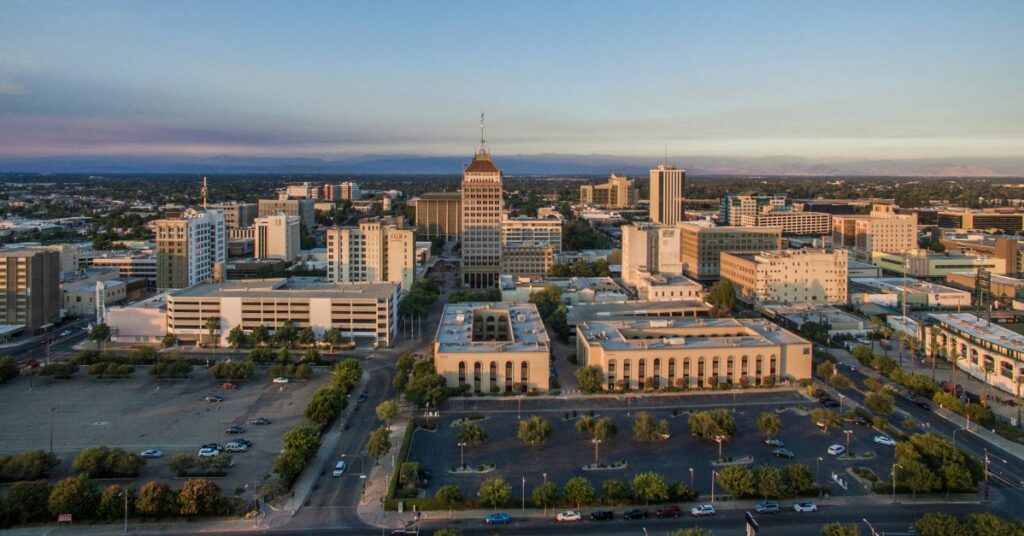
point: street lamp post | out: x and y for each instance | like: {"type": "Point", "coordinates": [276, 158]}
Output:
{"type": "Point", "coordinates": [125, 493]}
{"type": "Point", "coordinates": [868, 523]}
{"type": "Point", "coordinates": [894, 466]}
{"type": "Point", "coordinates": [523, 510]}
{"type": "Point", "coordinates": [713, 475]}
{"type": "Point", "coordinates": [719, 439]}
{"type": "Point", "coordinates": [848, 433]}
{"type": "Point", "coordinates": [986, 473]}
{"type": "Point", "coordinates": [691, 478]}
{"type": "Point", "coordinates": [52, 409]}
{"type": "Point", "coordinates": [462, 455]}
{"type": "Point", "coordinates": [841, 397]}
{"type": "Point", "coordinates": [597, 445]}
{"type": "Point", "coordinates": [817, 469]}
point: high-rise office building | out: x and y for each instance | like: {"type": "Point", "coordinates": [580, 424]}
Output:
{"type": "Point", "coordinates": [543, 230]}
{"type": "Point", "coordinates": [618, 192]}
{"type": "Point", "coordinates": [733, 207]}
{"type": "Point", "coordinates": [29, 288]}
{"type": "Point", "coordinates": [303, 208]}
{"type": "Point", "coordinates": [788, 276]}
{"type": "Point", "coordinates": [667, 195]}
{"type": "Point", "coordinates": [237, 215]}
{"type": "Point", "coordinates": [883, 231]}
{"type": "Point", "coordinates": [302, 191]}
{"type": "Point", "coordinates": [482, 206]}
{"type": "Point", "coordinates": [349, 191]}
{"type": "Point", "coordinates": [188, 248]}
{"type": "Point", "coordinates": [701, 247]}
{"type": "Point", "coordinates": [379, 250]}
{"type": "Point", "coordinates": [439, 214]}
{"type": "Point", "coordinates": [277, 237]}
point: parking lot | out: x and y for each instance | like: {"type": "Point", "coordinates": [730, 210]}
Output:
{"type": "Point", "coordinates": [140, 413]}
{"type": "Point", "coordinates": [568, 451]}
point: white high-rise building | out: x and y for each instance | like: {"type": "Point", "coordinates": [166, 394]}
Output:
{"type": "Point", "coordinates": [379, 250]}
{"type": "Point", "coordinates": [188, 248]}
{"type": "Point", "coordinates": [277, 237]}
{"type": "Point", "coordinates": [788, 276]}
{"type": "Point", "coordinates": [667, 195]}
{"type": "Point", "coordinates": [884, 231]}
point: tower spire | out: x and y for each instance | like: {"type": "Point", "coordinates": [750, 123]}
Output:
{"type": "Point", "coordinates": [483, 143]}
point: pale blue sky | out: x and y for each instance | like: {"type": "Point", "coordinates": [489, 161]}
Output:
{"type": "Point", "coordinates": [856, 79]}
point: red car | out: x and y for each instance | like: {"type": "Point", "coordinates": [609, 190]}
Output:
{"type": "Point", "coordinates": [229, 385]}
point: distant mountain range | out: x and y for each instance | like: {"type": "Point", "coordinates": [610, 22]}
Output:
{"type": "Point", "coordinates": [543, 164]}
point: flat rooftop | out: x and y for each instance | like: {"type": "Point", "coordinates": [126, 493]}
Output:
{"type": "Point", "coordinates": [298, 287]}
{"type": "Point", "coordinates": [455, 331]}
{"type": "Point", "coordinates": [686, 333]}
{"type": "Point", "coordinates": [982, 329]}
{"type": "Point", "coordinates": [567, 284]}
{"type": "Point", "coordinates": [669, 280]}
{"type": "Point", "coordinates": [634, 309]}
{"type": "Point", "coordinates": [896, 284]}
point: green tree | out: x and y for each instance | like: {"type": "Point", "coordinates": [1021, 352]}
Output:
{"type": "Point", "coordinates": [156, 499]}
{"type": "Point", "coordinates": [402, 371]}
{"type": "Point", "coordinates": [494, 492]}
{"type": "Point", "coordinates": [167, 340]}
{"type": "Point", "coordinates": [305, 440]}
{"type": "Point", "coordinates": [917, 477]}
{"type": "Point", "coordinates": [306, 337]}
{"type": "Point", "coordinates": [826, 370]}
{"type": "Point", "coordinates": [769, 424]}
{"type": "Point", "coordinates": [578, 491]}
{"type": "Point", "coordinates": [448, 496]}
{"type": "Point", "coordinates": [472, 434]}
{"type": "Point", "coordinates": [939, 524]}
{"type": "Point", "coordinates": [112, 502]}
{"type": "Point", "coordinates": [75, 496]}
{"type": "Point", "coordinates": [647, 429]}
{"type": "Point", "coordinates": [303, 371]}
{"type": "Point", "coordinates": [260, 335]}
{"type": "Point", "coordinates": [722, 297]}
{"type": "Point", "coordinates": [387, 411]}
{"type": "Point", "coordinates": [100, 333]}
{"type": "Point", "coordinates": [346, 375]}
{"type": "Point", "coordinates": [212, 324]}
{"type": "Point", "coordinates": [769, 481]}
{"type": "Point", "coordinates": [8, 369]}
{"type": "Point", "coordinates": [332, 338]}
{"type": "Point", "coordinates": [289, 464]}
{"type": "Point", "coordinates": [650, 487]}
{"type": "Point", "coordinates": [535, 430]}
{"type": "Point", "coordinates": [379, 443]}
{"type": "Point", "coordinates": [880, 403]}
{"type": "Point", "coordinates": [26, 502]}
{"type": "Point", "coordinates": [285, 334]}
{"type": "Point", "coordinates": [711, 424]}
{"type": "Point", "coordinates": [199, 497]}
{"type": "Point", "coordinates": [840, 529]}
{"type": "Point", "coordinates": [237, 338]}
{"type": "Point", "coordinates": [987, 524]}
{"type": "Point", "coordinates": [324, 407]}
{"type": "Point", "coordinates": [824, 418]}
{"type": "Point", "coordinates": [614, 492]}
{"type": "Point", "coordinates": [544, 495]}
{"type": "Point", "coordinates": [737, 480]}
{"type": "Point", "coordinates": [797, 479]}
{"type": "Point", "coordinates": [590, 379]}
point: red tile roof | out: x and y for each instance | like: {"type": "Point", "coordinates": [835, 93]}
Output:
{"type": "Point", "coordinates": [482, 164]}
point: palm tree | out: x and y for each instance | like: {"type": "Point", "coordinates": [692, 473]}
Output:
{"type": "Point", "coordinates": [212, 324]}
{"type": "Point", "coordinates": [954, 358]}
{"type": "Point", "coordinates": [886, 335]}
{"type": "Point", "coordinates": [876, 325]}
{"type": "Point", "coordinates": [933, 347]}
{"type": "Point", "coordinates": [913, 344]}
{"type": "Point", "coordinates": [989, 368]}
{"type": "Point", "coordinates": [1020, 380]}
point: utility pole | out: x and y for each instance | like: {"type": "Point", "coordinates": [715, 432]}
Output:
{"type": "Point", "coordinates": [986, 474]}
{"type": "Point", "coordinates": [125, 493]}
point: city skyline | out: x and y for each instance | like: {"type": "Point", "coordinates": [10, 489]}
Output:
{"type": "Point", "coordinates": [746, 80]}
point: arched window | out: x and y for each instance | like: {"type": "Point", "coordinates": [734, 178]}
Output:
{"type": "Point", "coordinates": [509, 374]}
{"type": "Point", "coordinates": [714, 372]}
{"type": "Point", "coordinates": [626, 371]}
{"type": "Point", "coordinates": [641, 377]}
{"type": "Point", "coordinates": [686, 371]}
{"type": "Point", "coordinates": [476, 377]}
{"type": "Point", "coordinates": [494, 377]}
{"type": "Point", "coordinates": [729, 368]}
{"type": "Point", "coordinates": [700, 372]}
{"type": "Point", "coordinates": [462, 374]}
{"type": "Point", "coordinates": [672, 371]}
{"type": "Point", "coordinates": [744, 372]}
{"type": "Point", "coordinates": [611, 374]}
{"type": "Point", "coordinates": [773, 366]}
{"type": "Point", "coordinates": [524, 374]}
{"type": "Point", "coordinates": [657, 373]}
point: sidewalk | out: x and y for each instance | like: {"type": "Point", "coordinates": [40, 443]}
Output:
{"type": "Point", "coordinates": [371, 504]}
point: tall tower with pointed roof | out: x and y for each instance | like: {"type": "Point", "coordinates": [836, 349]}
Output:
{"type": "Point", "coordinates": [482, 205]}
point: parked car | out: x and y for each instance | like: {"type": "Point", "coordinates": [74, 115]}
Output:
{"type": "Point", "coordinates": [234, 429]}
{"type": "Point", "coordinates": [767, 508]}
{"type": "Point", "coordinates": [241, 441]}
{"type": "Point", "coordinates": [500, 518]}
{"type": "Point", "coordinates": [281, 379]}
{"type": "Point", "coordinates": [783, 453]}
{"type": "Point", "coordinates": [772, 442]}
{"type": "Point", "coordinates": [229, 385]}
{"type": "Point", "coordinates": [923, 404]}
{"type": "Point", "coordinates": [829, 403]}
{"type": "Point", "coordinates": [636, 513]}
{"type": "Point", "coordinates": [65, 333]}
{"type": "Point", "coordinates": [567, 516]}
{"type": "Point", "coordinates": [215, 446]}
{"type": "Point", "coordinates": [152, 453]}
{"type": "Point", "coordinates": [602, 515]}
{"type": "Point", "coordinates": [805, 507]}
{"type": "Point", "coordinates": [362, 398]}
{"type": "Point", "coordinates": [259, 421]}
{"type": "Point", "coordinates": [214, 398]}
{"type": "Point", "coordinates": [836, 450]}
{"type": "Point", "coordinates": [702, 510]}
{"type": "Point", "coordinates": [885, 440]}
{"type": "Point", "coordinates": [668, 511]}
{"type": "Point", "coordinates": [207, 452]}
{"type": "Point", "coordinates": [858, 421]}
{"type": "Point", "coordinates": [233, 446]}
{"type": "Point", "coordinates": [339, 468]}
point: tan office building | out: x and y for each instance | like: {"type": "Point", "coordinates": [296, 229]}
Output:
{"type": "Point", "coordinates": [379, 250]}
{"type": "Point", "coordinates": [788, 276]}
{"type": "Point", "coordinates": [189, 248]}
{"type": "Point", "coordinates": [482, 209]}
{"type": "Point", "coordinates": [30, 294]}
{"type": "Point", "coordinates": [667, 195]}
{"type": "Point", "coordinates": [884, 231]}
{"type": "Point", "coordinates": [277, 237]}
{"type": "Point", "coordinates": [792, 223]}
{"type": "Point", "coordinates": [527, 259]}
{"type": "Point", "coordinates": [546, 230]}
{"type": "Point", "coordinates": [692, 353]}
{"type": "Point", "coordinates": [439, 214]}
{"type": "Point", "coordinates": [237, 215]}
{"type": "Point", "coordinates": [303, 208]}
{"type": "Point", "coordinates": [702, 246]}
{"type": "Point", "coordinates": [650, 249]}
{"type": "Point", "coordinates": [618, 192]}
{"type": "Point", "coordinates": [361, 310]}
{"type": "Point", "coordinates": [493, 348]}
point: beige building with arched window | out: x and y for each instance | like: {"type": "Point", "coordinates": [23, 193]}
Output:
{"type": "Point", "coordinates": [493, 348]}
{"type": "Point", "coordinates": [692, 353]}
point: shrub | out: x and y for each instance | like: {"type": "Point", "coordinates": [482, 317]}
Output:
{"type": "Point", "coordinates": [232, 370]}
{"type": "Point", "coordinates": [75, 496]}
{"type": "Point", "coordinates": [106, 462]}
{"type": "Point", "coordinates": [27, 502]}
{"type": "Point", "coordinates": [156, 499]}
{"type": "Point", "coordinates": [32, 465]}
{"type": "Point", "coordinates": [199, 497]}
{"type": "Point", "coordinates": [8, 369]}
{"type": "Point", "coordinates": [61, 371]}
{"type": "Point", "coordinates": [324, 407]}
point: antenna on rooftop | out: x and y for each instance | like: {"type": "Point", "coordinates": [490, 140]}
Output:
{"type": "Point", "coordinates": [483, 143]}
{"type": "Point", "coordinates": [205, 191]}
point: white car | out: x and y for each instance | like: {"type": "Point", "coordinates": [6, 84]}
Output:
{"type": "Point", "coordinates": [836, 450]}
{"type": "Point", "coordinates": [805, 507]}
{"type": "Point", "coordinates": [885, 440]}
{"type": "Point", "coordinates": [339, 468]}
{"type": "Point", "coordinates": [570, 515]}
{"type": "Point", "coordinates": [152, 453]}
{"type": "Point", "coordinates": [208, 452]}
{"type": "Point", "coordinates": [281, 379]}
{"type": "Point", "coordinates": [702, 510]}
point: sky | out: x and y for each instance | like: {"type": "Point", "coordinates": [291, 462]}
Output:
{"type": "Point", "coordinates": [836, 79]}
